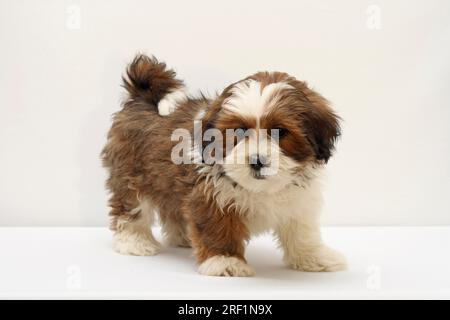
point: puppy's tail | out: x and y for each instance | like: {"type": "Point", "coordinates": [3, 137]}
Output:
{"type": "Point", "coordinates": [149, 80]}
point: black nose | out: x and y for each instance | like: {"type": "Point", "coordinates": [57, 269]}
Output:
{"type": "Point", "coordinates": [257, 162]}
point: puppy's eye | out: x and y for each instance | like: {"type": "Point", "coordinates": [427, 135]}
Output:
{"type": "Point", "coordinates": [282, 132]}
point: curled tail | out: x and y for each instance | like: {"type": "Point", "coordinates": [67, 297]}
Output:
{"type": "Point", "coordinates": [148, 79]}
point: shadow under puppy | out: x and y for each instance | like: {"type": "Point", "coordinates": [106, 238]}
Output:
{"type": "Point", "coordinates": [215, 206]}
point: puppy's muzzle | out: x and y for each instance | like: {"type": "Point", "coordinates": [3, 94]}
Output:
{"type": "Point", "coordinates": [257, 162]}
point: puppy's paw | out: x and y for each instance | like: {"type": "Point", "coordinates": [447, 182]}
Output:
{"type": "Point", "coordinates": [136, 244]}
{"type": "Point", "coordinates": [319, 259]}
{"type": "Point", "coordinates": [225, 267]}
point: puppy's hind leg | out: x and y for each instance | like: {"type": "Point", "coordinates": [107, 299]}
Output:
{"type": "Point", "coordinates": [133, 234]}
{"type": "Point", "coordinates": [174, 233]}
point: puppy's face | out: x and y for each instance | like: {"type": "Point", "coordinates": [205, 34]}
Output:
{"type": "Point", "coordinates": [275, 129]}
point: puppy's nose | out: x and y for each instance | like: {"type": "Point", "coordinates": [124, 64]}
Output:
{"type": "Point", "coordinates": [257, 162]}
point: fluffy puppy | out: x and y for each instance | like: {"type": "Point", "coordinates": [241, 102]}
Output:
{"type": "Point", "coordinates": [216, 204]}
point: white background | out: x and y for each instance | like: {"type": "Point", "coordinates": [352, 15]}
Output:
{"type": "Point", "coordinates": [60, 82]}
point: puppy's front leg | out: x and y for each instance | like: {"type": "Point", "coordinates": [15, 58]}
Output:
{"type": "Point", "coordinates": [218, 238]}
{"type": "Point", "coordinates": [303, 248]}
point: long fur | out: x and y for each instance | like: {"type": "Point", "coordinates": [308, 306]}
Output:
{"type": "Point", "coordinates": [148, 79]}
{"type": "Point", "coordinates": [216, 207]}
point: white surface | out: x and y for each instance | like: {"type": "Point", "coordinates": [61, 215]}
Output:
{"type": "Point", "coordinates": [389, 262]}
{"type": "Point", "coordinates": [60, 81]}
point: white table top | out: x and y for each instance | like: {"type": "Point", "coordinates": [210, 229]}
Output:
{"type": "Point", "coordinates": [384, 263]}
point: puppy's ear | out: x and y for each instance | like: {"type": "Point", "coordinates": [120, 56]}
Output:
{"type": "Point", "coordinates": [209, 121]}
{"type": "Point", "coordinates": [212, 112]}
{"type": "Point", "coordinates": [320, 122]}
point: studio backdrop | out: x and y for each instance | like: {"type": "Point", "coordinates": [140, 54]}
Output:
{"type": "Point", "coordinates": [384, 65]}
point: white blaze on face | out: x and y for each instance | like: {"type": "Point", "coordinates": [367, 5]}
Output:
{"type": "Point", "coordinates": [247, 99]}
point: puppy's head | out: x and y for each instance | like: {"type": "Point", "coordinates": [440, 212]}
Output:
{"type": "Point", "coordinates": [275, 128]}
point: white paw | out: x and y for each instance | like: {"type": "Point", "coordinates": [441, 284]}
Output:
{"type": "Point", "coordinates": [225, 266]}
{"type": "Point", "coordinates": [319, 259]}
{"type": "Point", "coordinates": [136, 244]}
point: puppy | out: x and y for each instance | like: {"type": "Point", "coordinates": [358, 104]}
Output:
{"type": "Point", "coordinates": [213, 203]}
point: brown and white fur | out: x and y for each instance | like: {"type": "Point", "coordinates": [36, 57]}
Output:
{"type": "Point", "coordinates": [216, 208]}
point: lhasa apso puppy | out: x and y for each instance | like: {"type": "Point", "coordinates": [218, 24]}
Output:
{"type": "Point", "coordinates": [220, 170]}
